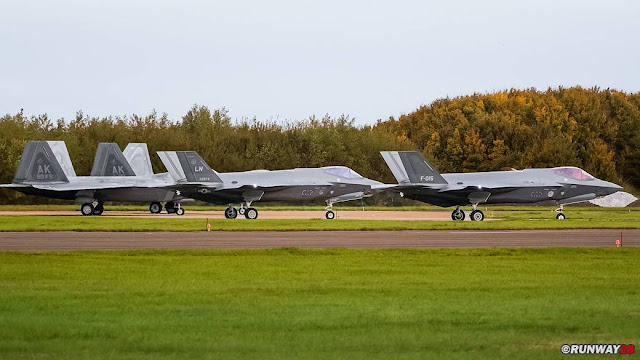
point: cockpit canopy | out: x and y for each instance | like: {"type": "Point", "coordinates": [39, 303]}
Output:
{"type": "Point", "coordinates": [342, 171]}
{"type": "Point", "coordinates": [573, 173]}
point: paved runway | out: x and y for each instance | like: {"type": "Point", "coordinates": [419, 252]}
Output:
{"type": "Point", "coordinates": [63, 240]}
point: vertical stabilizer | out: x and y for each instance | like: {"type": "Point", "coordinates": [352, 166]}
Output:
{"type": "Point", "coordinates": [42, 161]}
{"type": "Point", "coordinates": [137, 155]}
{"type": "Point", "coordinates": [410, 167]}
{"type": "Point", "coordinates": [188, 166]}
{"type": "Point", "coordinates": [110, 161]}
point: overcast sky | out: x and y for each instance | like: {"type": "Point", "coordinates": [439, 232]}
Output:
{"type": "Point", "coordinates": [286, 60]}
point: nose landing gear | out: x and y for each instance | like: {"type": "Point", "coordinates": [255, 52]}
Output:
{"type": "Point", "coordinates": [330, 215]}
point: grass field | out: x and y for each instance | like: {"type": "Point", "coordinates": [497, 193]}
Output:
{"type": "Point", "coordinates": [512, 218]}
{"type": "Point", "coordinates": [305, 304]}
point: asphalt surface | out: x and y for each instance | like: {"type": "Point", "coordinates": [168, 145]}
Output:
{"type": "Point", "coordinates": [63, 240]}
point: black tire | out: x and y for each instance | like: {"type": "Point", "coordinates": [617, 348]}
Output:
{"type": "Point", "coordinates": [330, 215]}
{"type": "Point", "coordinates": [476, 215]}
{"type": "Point", "coordinates": [98, 210]}
{"type": "Point", "coordinates": [560, 216]}
{"type": "Point", "coordinates": [155, 208]}
{"type": "Point", "coordinates": [230, 213]}
{"type": "Point", "coordinates": [251, 213]}
{"type": "Point", "coordinates": [179, 211]}
{"type": "Point", "coordinates": [87, 209]}
{"type": "Point", "coordinates": [170, 207]}
{"type": "Point", "coordinates": [242, 210]}
{"type": "Point", "coordinates": [457, 215]}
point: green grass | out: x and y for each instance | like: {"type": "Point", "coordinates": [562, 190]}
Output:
{"type": "Point", "coordinates": [522, 218]}
{"type": "Point", "coordinates": [306, 304]}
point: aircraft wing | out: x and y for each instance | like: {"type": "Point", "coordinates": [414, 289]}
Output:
{"type": "Point", "coordinates": [95, 186]}
{"type": "Point", "coordinates": [14, 186]}
{"type": "Point", "coordinates": [473, 188]}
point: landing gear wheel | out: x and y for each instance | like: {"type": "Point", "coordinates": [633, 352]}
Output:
{"type": "Point", "coordinates": [477, 215]}
{"type": "Point", "coordinates": [155, 208]}
{"type": "Point", "coordinates": [251, 213]}
{"type": "Point", "coordinates": [87, 209]}
{"type": "Point", "coordinates": [230, 213]}
{"type": "Point", "coordinates": [457, 215]}
{"type": "Point", "coordinates": [179, 211]}
{"type": "Point", "coordinates": [241, 211]}
{"type": "Point", "coordinates": [560, 216]}
{"type": "Point", "coordinates": [98, 210]}
{"type": "Point", "coordinates": [330, 215]}
{"type": "Point", "coordinates": [170, 207]}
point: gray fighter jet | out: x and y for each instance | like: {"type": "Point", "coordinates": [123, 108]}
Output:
{"type": "Point", "coordinates": [137, 155]}
{"type": "Point", "coordinates": [196, 180]}
{"type": "Point", "coordinates": [418, 180]}
{"type": "Point", "coordinates": [46, 170]}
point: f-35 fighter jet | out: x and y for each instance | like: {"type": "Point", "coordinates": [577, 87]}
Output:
{"type": "Point", "coordinates": [418, 180]}
{"type": "Point", "coordinates": [46, 170]}
{"type": "Point", "coordinates": [196, 180]}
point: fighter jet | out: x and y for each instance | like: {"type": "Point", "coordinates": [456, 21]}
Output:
{"type": "Point", "coordinates": [46, 170]}
{"type": "Point", "coordinates": [137, 155]}
{"type": "Point", "coordinates": [196, 180]}
{"type": "Point", "coordinates": [418, 180]}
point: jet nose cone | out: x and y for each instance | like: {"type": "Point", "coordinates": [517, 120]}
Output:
{"type": "Point", "coordinates": [610, 188]}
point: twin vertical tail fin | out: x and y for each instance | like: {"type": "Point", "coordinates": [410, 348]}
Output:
{"type": "Point", "coordinates": [110, 161]}
{"type": "Point", "coordinates": [188, 166]}
{"type": "Point", "coordinates": [410, 167]}
{"type": "Point", "coordinates": [137, 155]}
{"type": "Point", "coordinates": [44, 162]}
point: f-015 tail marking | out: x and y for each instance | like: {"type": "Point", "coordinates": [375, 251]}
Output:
{"type": "Point", "coordinates": [411, 167]}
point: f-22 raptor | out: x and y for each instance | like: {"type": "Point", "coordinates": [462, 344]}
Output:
{"type": "Point", "coordinates": [196, 180]}
{"type": "Point", "coordinates": [46, 170]}
{"type": "Point", "coordinates": [418, 180]}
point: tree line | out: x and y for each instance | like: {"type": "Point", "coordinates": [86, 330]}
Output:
{"type": "Point", "coordinates": [598, 130]}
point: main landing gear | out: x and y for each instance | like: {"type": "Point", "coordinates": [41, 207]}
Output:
{"type": "Point", "coordinates": [248, 212]}
{"type": "Point", "coordinates": [93, 208]}
{"type": "Point", "coordinates": [457, 214]}
{"type": "Point", "coordinates": [172, 208]}
{"type": "Point", "coordinates": [476, 215]}
{"type": "Point", "coordinates": [560, 215]}
{"type": "Point", "coordinates": [155, 208]}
